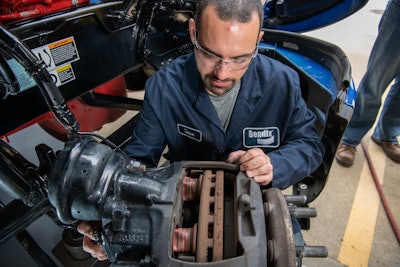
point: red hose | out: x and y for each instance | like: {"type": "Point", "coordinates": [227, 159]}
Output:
{"type": "Point", "coordinates": [382, 196]}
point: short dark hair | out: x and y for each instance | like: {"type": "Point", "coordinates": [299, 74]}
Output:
{"type": "Point", "coordinates": [236, 10]}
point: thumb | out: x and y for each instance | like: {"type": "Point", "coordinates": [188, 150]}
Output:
{"type": "Point", "coordinates": [235, 156]}
{"type": "Point", "coordinates": [85, 229]}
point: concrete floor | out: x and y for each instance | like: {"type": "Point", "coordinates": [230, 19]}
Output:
{"type": "Point", "coordinates": [351, 220]}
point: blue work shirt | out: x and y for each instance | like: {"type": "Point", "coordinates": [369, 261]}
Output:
{"type": "Point", "coordinates": [269, 113]}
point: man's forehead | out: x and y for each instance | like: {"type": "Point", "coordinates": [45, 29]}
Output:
{"type": "Point", "coordinates": [210, 13]}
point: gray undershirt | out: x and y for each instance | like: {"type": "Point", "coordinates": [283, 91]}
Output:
{"type": "Point", "coordinates": [224, 104]}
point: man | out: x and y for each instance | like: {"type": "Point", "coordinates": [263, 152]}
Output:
{"type": "Point", "coordinates": [383, 67]}
{"type": "Point", "coordinates": [226, 102]}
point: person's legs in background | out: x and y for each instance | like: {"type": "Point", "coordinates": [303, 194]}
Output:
{"type": "Point", "coordinates": [383, 67]}
{"type": "Point", "coordinates": [388, 126]}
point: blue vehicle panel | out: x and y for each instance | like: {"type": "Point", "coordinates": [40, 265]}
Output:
{"type": "Point", "coordinates": [300, 16]}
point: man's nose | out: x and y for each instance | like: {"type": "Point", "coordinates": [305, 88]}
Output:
{"type": "Point", "coordinates": [222, 70]}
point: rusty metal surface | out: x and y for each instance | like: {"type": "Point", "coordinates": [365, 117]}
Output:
{"type": "Point", "coordinates": [218, 231]}
{"type": "Point", "coordinates": [191, 188]}
{"type": "Point", "coordinates": [211, 215]}
{"type": "Point", "coordinates": [184, 240]}
{"type": "Point", "coordinates": [281, 247]}
{"type": "Point", "coordinates": [204, 218]}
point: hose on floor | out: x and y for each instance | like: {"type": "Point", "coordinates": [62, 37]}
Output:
{"type": "Point", "coordinates": [382, 196]}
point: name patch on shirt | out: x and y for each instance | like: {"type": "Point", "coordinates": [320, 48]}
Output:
{"type": "Point", "coordinates": [261, 137]}
{"type": "Point", "coordinates": [189, 132]}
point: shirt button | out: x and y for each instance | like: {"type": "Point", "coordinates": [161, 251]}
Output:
{"type": "Point", "coordinates": [221, 151]}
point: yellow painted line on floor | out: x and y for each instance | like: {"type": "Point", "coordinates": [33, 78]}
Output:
{"type": "Point", "coordinates": [358, 237]}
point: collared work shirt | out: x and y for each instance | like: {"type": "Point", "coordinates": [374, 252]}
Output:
{"type": "Point", "coordinates": [269, 113]}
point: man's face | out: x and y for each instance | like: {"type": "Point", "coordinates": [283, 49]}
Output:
{"type": "Point", "coordinates": [233, 42]}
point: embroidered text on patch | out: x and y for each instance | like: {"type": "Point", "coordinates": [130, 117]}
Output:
{"type": "Point", "coordinates": [261, 137]}
{"type": "Point", "coordinates": [190, 132]}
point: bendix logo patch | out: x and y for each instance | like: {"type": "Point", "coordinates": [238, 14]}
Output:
{"type": "Point", "coordinates": [261, 137]}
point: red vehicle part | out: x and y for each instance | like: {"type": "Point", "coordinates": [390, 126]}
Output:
{"type": "Point", "coordinates": [89, 118]}
{"type": "Point", "coordinates": [11, 10]}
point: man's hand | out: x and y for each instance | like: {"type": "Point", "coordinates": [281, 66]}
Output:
{"type": "Point", "coordinates": [255, 163]}
{"type": "Point", "coordinates": [89, 243]}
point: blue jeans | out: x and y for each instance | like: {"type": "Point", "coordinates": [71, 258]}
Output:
{"type": "Point", "coordinates": [383, 67]}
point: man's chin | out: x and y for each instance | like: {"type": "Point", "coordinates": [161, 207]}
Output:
{"type": "Point", "coordinates": [219, 88]}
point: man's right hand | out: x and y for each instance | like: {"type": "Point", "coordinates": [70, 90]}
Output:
{"type": "Point", "coordinates": [89, 243]}
{"type": "Point", "coordinates": [255, 163]}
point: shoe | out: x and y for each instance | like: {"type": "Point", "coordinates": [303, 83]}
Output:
{"type": "Point", "coordinates": [392, 150]}
{"type": "Point", "coordinates": [345, 155]}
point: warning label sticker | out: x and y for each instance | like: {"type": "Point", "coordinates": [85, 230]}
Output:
{"type": "Point", "coordinates": [58, 57]}
{"type": "Point", "coordinates": [66, 73]}
{"type": "Point", "coordinates": [64, 51]}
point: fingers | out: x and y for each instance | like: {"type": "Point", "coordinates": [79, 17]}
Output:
{"type": "Point", "coordinates": [255, 163]}
{"type": "Point", "coordinates": [94, 249]}
{"type": "Point", "coordinates": [263, 179]}
{"type": "Point", "coordinates": [85, 229]}
{"type": "Point", "coordinates": [235, 156]}
{"type": "Point", "coordinates": [258, 165]}
{"type": "Point", "coordinates": [252, 154]}
{"type": "Point", "coordinates": [90, 245]}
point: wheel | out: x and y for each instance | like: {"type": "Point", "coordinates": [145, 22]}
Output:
{"type": "Point", "coordinates": [281, 251]}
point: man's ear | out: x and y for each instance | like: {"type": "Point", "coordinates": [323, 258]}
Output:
{"type": "Point", "coordinates": [192, 29]}
{"type": "Point", "coordinates": [260, 36]}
